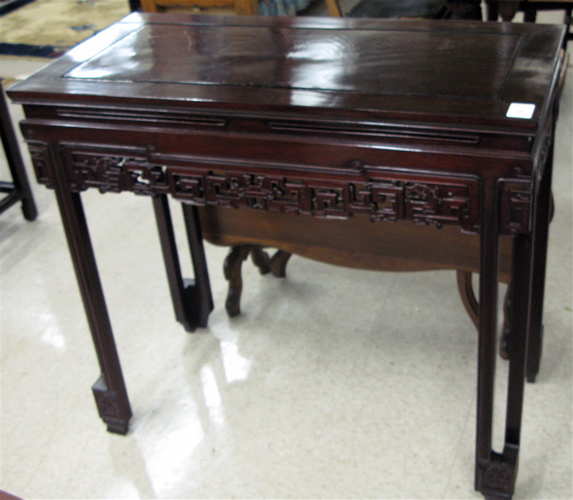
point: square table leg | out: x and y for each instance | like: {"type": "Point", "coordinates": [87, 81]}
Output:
{"type": "Point", "coordinates": [485, 470]}
{"type": "Point", "coordinates": [109, 390]}
{"type": "Point", "coordinates": [496, 472]}
{"type": "Point", "coordinates": [192, 299]}
{"type": "Point", "coordinates": [542, 218]}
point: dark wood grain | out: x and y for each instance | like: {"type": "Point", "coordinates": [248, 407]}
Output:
{"type": "Point", "coordinates": [365, 67]}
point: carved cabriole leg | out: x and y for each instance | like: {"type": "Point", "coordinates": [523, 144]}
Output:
{"type": "Point", "coordinates": [261, 259]}
{"type": "Point", "coordinates": [191, 298]}
{"type": "Point", "coordinates": [109, 390]}
{"type": "Point", "coordinates": [232, 268]}
{"type": "Point", "coordinates": [279, 262]}
{"type": "Point", "coordinates": [275, 264]}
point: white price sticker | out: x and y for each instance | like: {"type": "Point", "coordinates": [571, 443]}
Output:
{"type": "Point", "coordinates": [520, 110]}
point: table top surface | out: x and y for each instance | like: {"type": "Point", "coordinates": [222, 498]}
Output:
{"type": "Point", "coordinates": [445, 71]}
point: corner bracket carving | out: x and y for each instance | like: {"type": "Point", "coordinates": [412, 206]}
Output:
{"type": "Point", "coordinates": [516, 206]}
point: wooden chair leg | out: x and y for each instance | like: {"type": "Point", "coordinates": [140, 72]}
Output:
{"type": "Point", "coordinates": [261, 259]}
{"type": "Point", "coordinates": [279, 262]}
{"type": "Point", "coordinates": [232, 269]}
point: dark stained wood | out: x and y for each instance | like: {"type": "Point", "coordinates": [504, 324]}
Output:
{"type": "Point", "coordinates": [356, 242]}
{"type": "Point", "coordinates": [261, 259]}
{"type": "Point", "coordinates": [232, 267]}
{"type": "Point", "coordinates": [366, 68]}
{"type": "Point", "coordinates": [191, 298]}
{"type": "Point", "coordinates": [18, 189]}
{"type": "Point", "coordinates": [369, 143]}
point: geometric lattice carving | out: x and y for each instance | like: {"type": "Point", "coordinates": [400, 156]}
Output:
{"type": "Point", "coordinates": [428, 200]}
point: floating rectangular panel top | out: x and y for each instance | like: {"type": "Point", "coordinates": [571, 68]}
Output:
{"type": "Point", "coordinates": [439, 69]}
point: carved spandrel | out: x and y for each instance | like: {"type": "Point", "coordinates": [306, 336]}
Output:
{"type": "Point", "coordinates": [41, 163]}
{"type": "Point", "coordinates": [516, 206]}
{"type": "Point", "coordinates": [422, 199]}
{"type": "Point", "coordinates": [115, 174]}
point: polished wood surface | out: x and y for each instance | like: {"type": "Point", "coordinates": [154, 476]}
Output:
{"type": "Point", "coordinates": [353, 243]}
{"type": "Point", "coordinates": [366, 70]}
{"type": "Point", "coordinates": [362, 142]}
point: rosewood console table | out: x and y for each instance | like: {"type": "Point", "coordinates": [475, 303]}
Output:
{"type": "Point", "coordinates": [327, 137]}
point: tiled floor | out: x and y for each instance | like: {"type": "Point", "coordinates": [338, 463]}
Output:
{"type": "Point", "coordinates": [334, 383]}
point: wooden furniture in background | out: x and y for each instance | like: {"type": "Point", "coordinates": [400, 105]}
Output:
{"type": "Point", "coordinates": [19, 189]}
{"type": "Point", "coordinates": [241, 7]}
{"type": "Point", "coordinates": [506, 9]}
{"type": "Point", "coordinates": [415, 133]}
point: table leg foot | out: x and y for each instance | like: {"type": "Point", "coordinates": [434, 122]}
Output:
{"type": "Point", "coordinates": [111, 407]}
{"type": "Point", "coordinates": [496, 476]}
